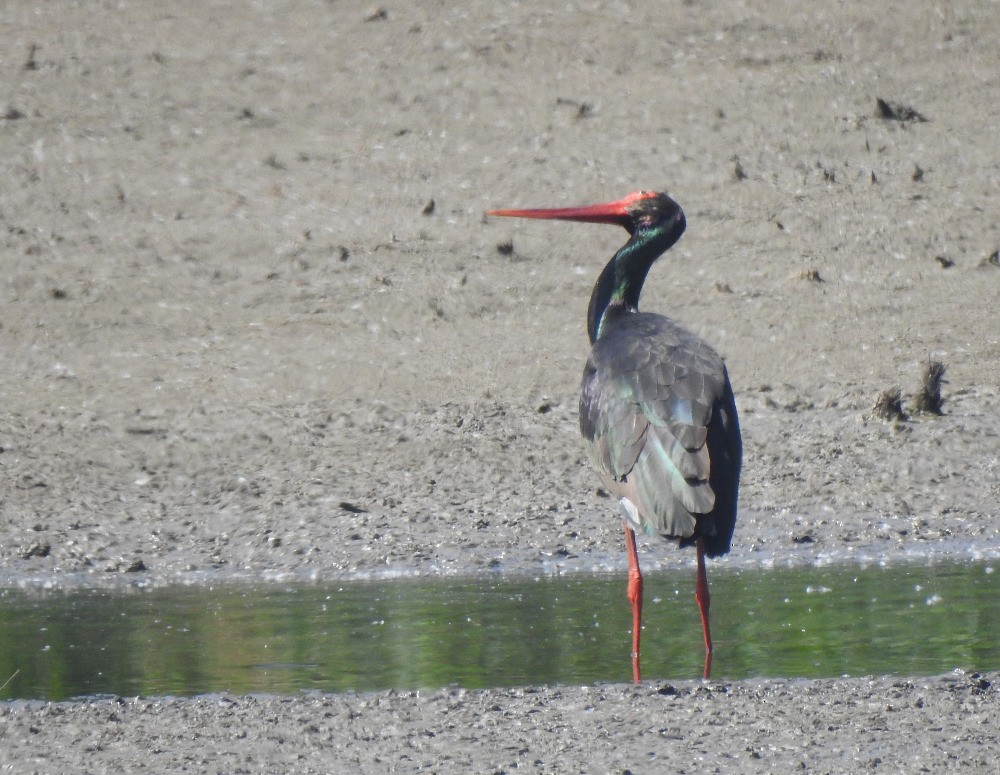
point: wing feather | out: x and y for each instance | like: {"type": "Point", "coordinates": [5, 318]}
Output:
{"type": "Point", "coordinates": [646, 403]}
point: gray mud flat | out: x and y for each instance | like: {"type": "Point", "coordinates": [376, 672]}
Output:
{"type": "Point", "coordinates": [254, 325]}
{"type": "Point", "coordinates": [845, 725]}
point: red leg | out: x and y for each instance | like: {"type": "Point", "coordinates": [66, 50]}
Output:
{"type": "Point", "coordinates": [634, 597]}
{"type": "Point", "coordinates": [703, 598]}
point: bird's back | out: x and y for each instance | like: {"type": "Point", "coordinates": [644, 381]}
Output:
{"type": "Point", "coordinates": [659, 420]}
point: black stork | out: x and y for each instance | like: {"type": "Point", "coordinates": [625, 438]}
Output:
{"type": "Point", "coordinates": [657, 411]}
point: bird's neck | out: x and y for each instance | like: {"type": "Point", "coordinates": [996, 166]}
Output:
{"type": "Point", "coordinates": [618, 288]}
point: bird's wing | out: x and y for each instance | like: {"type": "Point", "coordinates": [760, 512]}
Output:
{"type": "Point", "coordinates": [645, 406]}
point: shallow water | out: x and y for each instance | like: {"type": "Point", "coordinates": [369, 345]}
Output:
{"type": "Point", "coordinates": [408, 634]}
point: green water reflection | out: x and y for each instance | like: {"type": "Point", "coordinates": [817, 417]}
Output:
{"type": "Point", "coordinates": [805, 622]}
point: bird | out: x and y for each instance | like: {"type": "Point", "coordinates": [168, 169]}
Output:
{"type": "Point", "coordinates": [657, 411]}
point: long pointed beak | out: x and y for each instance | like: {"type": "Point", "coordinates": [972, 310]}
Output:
{"type": "Point", "coordinates": [610, 212]}
{"type": "Point", "coordinates": [607, 212]}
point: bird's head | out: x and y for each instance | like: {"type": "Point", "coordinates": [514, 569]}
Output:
{"type": "Point", "coordinates": [635, 212]}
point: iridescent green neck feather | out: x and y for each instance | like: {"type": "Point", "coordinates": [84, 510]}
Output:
{"type": "Point", "coordinates": [618, 288]}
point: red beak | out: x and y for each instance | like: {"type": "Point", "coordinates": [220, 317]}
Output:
{"type": "Point", "coordinates": [609, 212]}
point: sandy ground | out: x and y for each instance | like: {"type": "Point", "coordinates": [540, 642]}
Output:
{"type": "Point", "coordinates": [255, 324]}
{"type": "Point", "coordinates": [848, 725]}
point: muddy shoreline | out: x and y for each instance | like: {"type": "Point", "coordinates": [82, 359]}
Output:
{"type": "Point", "coordinates": [923, 725]}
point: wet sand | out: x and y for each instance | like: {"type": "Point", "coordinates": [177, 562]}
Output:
{"type": "Point", "coordinates": [843, 725]}
{"type": "Point", "coordinates": [255, 325]}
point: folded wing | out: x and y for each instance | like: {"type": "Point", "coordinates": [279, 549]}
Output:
{"type": "Point", "coordinates": [650, 390]}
